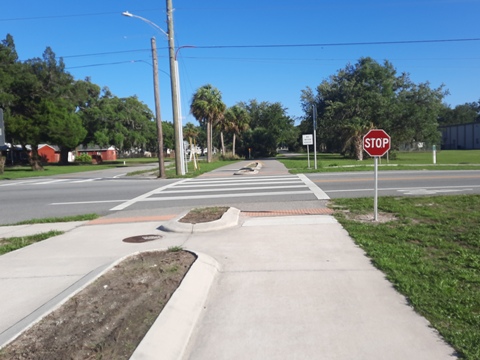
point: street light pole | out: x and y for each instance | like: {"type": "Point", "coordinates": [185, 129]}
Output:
{"type": "Point", "coordinates": [179, 106]}
{"type": "Point", "coordinates": [175, 103]}
{"type": "Point", "coordinates": [156, 90]}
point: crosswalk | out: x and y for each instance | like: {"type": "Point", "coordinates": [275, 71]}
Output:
{"type": "Point", "coordinates": [232, 187]}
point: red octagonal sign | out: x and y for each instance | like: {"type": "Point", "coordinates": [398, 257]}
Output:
{"type": "Point", "coordinates": [376, 142]}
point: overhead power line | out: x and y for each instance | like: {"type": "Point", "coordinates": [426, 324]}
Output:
{"type": "Point", "coordinates": [105, 64]}
{"type": "Point", "coordinates": [290, 45]}
{"type": "Point", "coordinates": [335, 44]}
{"type": "Point", "coordinates": [68, 16]}
{"type": "Point", "coordinates": [105, 53]}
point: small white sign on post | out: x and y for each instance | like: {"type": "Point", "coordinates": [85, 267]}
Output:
{"type": "Point", "coordinates": [307, 140]}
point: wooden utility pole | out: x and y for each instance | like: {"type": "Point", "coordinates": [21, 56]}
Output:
{"type": "Point", "coordinates": [158, 116]}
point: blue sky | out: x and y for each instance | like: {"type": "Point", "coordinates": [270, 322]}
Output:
{"type": "Point", "coordinates": [96, 41]}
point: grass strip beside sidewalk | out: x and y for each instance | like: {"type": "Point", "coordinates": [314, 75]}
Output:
{"type": "Point", "coordinates": [85, 217]}
{"type": "Point", "coordinates": [431, 254]}
{"type": "Point", "coordinates": [330, 162]}
{"type": "Point", "coordinates": [15, 243]}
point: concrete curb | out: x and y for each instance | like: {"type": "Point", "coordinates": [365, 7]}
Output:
{"type": "Point", "coordinates": [228, 220]}
{"type": "Point", "coordinates": [170, 333]}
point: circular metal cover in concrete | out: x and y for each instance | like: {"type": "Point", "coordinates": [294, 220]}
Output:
{"type": "Point", "coordinates": [142, 238]}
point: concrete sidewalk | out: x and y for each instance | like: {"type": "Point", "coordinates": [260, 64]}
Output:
{"type": "Point", "coordinates": [299, 288]}
{"type": "Point", "coordinates": [290, 287]}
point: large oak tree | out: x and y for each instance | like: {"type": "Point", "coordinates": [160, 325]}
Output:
{"type": "Point", "coordinates": [370, 95]}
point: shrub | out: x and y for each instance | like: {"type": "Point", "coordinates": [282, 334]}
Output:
{"type": "Point", "coordinates": [83, 158]}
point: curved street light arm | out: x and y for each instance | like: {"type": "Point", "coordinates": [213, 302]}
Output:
{"type": "Point", "coordinates": [151, 23]}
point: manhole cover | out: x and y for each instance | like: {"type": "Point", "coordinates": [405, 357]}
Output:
{"type": "Point", "coordinates": [142, 238]}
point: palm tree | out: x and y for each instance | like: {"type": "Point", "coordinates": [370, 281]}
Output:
{"type": "Point", "coordinates": [237, 120]}
{"type": "Point", "coordinates": [191, 132]}
{"type": "Point", "coordinates": [353, 133]}
{"type": "Point", "coordinates": [207, 107]}
{"type": "Point", "coordinates": [224, 125]}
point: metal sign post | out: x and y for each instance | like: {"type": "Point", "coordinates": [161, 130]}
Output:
{"type": "Point", "coordinates": [2, 129]}
{"type": "Point", "coordinates": [315, 135]}
{"type": "Point", "coordinates": [308, 155]}
{"type": "Point", "coordinates": [375, 196]}
{"type": "Point", "coordinates": [376, 143]}
{"type": "Point", "coordinates": [307, 140]}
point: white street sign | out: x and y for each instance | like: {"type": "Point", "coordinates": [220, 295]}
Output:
{"type": "Point", "coordinates": [307, 139]}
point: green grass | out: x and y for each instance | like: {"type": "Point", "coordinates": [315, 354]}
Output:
{"type": "Point", "coordinates": [204, 167]}
{"type": "Point", "coordinates": [446, 160]}
{"type": "Point", "coordinates": [133, 161]}
{"type": "Point", "coordinates": [431, 254]}
{"type": "Point", "coordinates": [19, 172]}
{"type": "Point", "coordinates": [170, 170]}
{"type": "Point", "coordinates": [85, 217]}
{"type": "Point", "coordinates": [175, 249]}
{"type": "Point", "coordinates": [141, 172]}
{"type": "Point", "coordinates": [15, 243]}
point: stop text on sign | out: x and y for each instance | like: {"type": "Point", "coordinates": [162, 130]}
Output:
{"type": "Point", "coordinates": [376, 143]}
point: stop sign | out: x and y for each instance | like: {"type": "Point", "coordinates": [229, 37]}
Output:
{"type": "Point", "coordinates": [376, 142]}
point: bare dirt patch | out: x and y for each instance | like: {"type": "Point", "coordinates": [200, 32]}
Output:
{"type": "Point", "coordinates": [109, 318]}
{"type": "Point", "coordinates": [369, 217]}
{"type": "Point", "coordinates": [203, 215]}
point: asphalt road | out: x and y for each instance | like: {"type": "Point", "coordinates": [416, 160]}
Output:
{"type": "Point", "coordinates": [398, 183]}
{"type": "Point", "coordinates": [110, 193]}
{"type": "Point", "coordinates": [27, 199]}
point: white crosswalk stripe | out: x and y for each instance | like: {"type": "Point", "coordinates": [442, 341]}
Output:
{"type": "Point", "coordinates": [228, 188]}
{"type": "Point", "coordinates": [50, 182]}
{"type": "Point", "coordinates": [253, 185]}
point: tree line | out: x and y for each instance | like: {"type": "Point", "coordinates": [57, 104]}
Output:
{"type": "Point", "coordinates": [260, 127]}
{"type": "Point", "coordinates": [368, 95]}
{"type": "Point", "coordinates": [43, 103]}
{"type": "Point", "coordinates": [358, 98]}
{"type": "Point", "coordinates": [460, 114]}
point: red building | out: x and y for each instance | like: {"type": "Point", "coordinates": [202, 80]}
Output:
{"type": "Point", "coordinates": [50, 153]}
{"type": "Point", "coordinates": [96, 152]}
